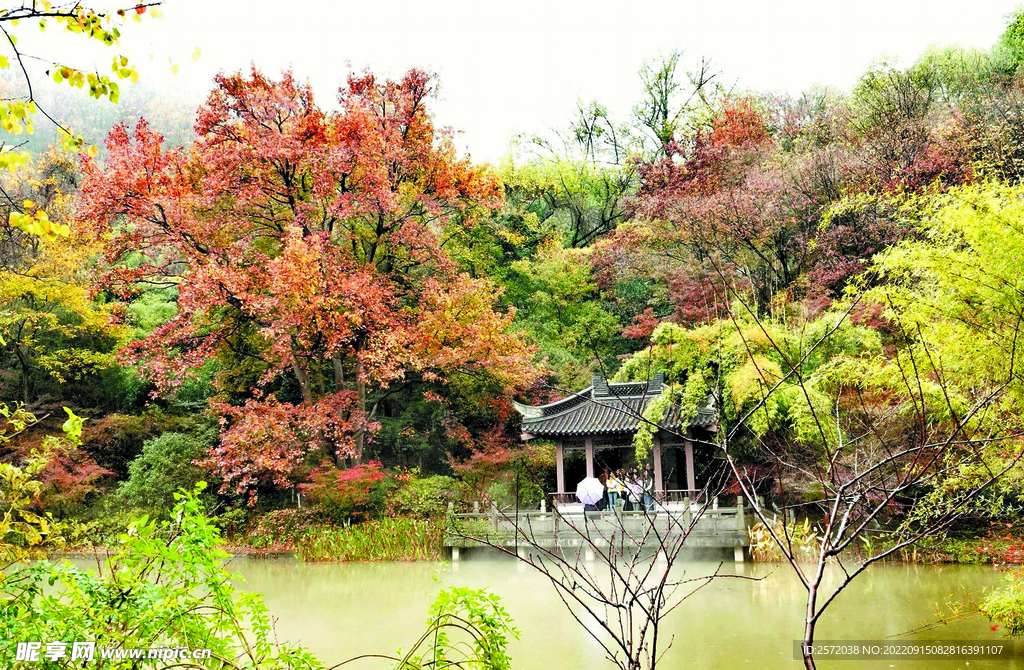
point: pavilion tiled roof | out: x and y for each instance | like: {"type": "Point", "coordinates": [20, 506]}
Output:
{"type": "Point", "coordinates": [603, 408]}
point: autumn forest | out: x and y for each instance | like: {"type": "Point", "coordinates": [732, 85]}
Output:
{"type": "Point", "coordinates": [303, 323]}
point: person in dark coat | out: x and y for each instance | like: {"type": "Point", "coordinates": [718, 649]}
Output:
{"type": "Point", "coordinates": [603, 478]}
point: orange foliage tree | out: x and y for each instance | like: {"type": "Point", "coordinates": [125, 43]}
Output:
{"type": "Point", "coordinates": [307, 249]}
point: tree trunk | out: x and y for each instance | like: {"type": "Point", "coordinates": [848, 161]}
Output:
{"type": "Point", "coordinates": [23, 360]}
{"type": "Point", "coordinates": [303, 378]}
{"type": "Point", "coordinates": [360, 437]}
{"type": "Point", "coordinates": [809, 621]}
{"type": "Point", "coordinates": [808, 641]}
{"type": "Point", "coordinates": [339, 383]}
{"type": "Point", "coordinates": [339, 373]}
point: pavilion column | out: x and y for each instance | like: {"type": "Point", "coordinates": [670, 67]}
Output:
{"type": "Point", "coordinates": [659, 484]}
{"type": "Point", "coordinates": [590, 456]}
{"type": "Point", "coordinates": [691, 482]}
{"type": "Point", "coordinates": [560, 465]}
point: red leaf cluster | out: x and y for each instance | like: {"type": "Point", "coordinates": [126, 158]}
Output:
{"type": "Point", "coordinates": [303, 245]}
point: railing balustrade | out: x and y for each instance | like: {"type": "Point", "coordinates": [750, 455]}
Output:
{"type": "Point", "coordinates": [563, 525]}
{"type": "Point", "coordinates": [696, 496]}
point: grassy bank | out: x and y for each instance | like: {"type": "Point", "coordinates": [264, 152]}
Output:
{"type": "Point", "coordinates": [983, 550]}
{"type": "Point", "coordinates": [392, 539]}
{"type": "Point", "coordinates": [964, 548]}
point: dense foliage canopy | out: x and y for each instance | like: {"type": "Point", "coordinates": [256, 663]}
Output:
{"type": "Point", "coordinates": [330, 306]}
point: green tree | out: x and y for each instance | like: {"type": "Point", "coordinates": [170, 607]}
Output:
{"type": "Point", "coordinates": [559, 303]}
{"type": "Point", "coordinates": [55, 333]}
{"type": "Point", "coordinates": [766, 380]}
{"type": "Point", "coordinates": [960, 286]}
{"type": "Point", "coordinates": [1010, 47]}
{"type": "Point", "coordinates": [577, 198]}
{"type": "Point", "coordinates": [23, 532]}
{"type": "Point", "coordinates": [165, 465]}
{"type": "Point", "coordinates": [166, 586]}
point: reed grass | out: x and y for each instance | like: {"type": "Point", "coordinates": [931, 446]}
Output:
{"type": "Point", "coordinates": [390, 539]}
{"type": "Point", "coordinates": [803, 539]}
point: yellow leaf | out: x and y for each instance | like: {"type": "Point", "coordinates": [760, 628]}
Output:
{"type": "Point", "coordinates": [28, 204]}
{"type": "Point", "coordinates": [196, 55]}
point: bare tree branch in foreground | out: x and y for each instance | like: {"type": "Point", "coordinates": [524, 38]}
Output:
{"type": "Point", "coordinates": [616, 573]}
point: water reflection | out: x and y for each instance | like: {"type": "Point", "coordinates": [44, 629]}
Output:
{"type": "Point", "coordinates": [342, 610]}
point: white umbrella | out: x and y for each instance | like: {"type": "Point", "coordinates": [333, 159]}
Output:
{"type": "Point", "coordinates": [589, 491]}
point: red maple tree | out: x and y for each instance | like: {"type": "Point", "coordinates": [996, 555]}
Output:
{"type": "Point", "coordinates": [307, 251]}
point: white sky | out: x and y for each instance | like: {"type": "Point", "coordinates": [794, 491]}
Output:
{"type": "Point", "coordinates": [511, 67]}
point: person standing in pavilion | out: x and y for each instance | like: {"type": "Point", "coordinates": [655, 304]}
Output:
{"type": "Point", "coordinates": [648, 488]}
{"type": "Point", "coordinates": [614, 489]}
{"type": "Point", "coordinates": [603, 478]}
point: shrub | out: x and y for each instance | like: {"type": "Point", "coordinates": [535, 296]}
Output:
{"type": "Point", "coordinates": [117, 439]}
{"type": "Point", "coordinates": [70, 479]}
{"type": "Point", "coordinates": [282, 528]}
{"type": "Point", "coordinates": [504, 473]}
{"type": "Point", "coordinates": [508, 491]}
{"type": "Point", "coordinates": [166, 586]}
{"type": "Point", "coordinates": [70, 475]}
{"type": "Point", "coordinates": [361, 492]}
{"type": "Point", "coordinates": [106, 524]}
{"type": "Point", "coordinates": [164, 466]}
{"type": "Point", "coordinates": [467, 628]}
{"type": "Point", "coordinates": [23, 533]}
{"type": "Point", "coordinates": [1006, 605]}
{"type": "Point", "coordinates": [232, 521]}
{"type": "Point", "coordinates": [428, 496]}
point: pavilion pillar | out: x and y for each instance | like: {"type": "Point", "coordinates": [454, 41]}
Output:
{"type": "Point", "coordinates": [659, 484]}
{"type": "Point", "coordinates": [691, 481]}
{"type": "Point", "coordinates": [590, 456]}
{"type": "Point", "coordinates": [560, 465]}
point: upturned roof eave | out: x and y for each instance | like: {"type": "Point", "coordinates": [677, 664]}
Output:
{"type": "Point", "coordinates": [538, 410]}
{"type": "Point", "coordinates": [705, 418]}
{"type": "Point", "coordinates": [527, 410]}
{"type": "Point", "coordinates": [535, 432]}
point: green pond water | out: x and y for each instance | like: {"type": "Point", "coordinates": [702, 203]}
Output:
{"type": "Point", "coordinates": [343, 610]}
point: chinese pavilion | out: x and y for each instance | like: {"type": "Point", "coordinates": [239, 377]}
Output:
{"type": "Point", "coordinates": [599, 422]}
